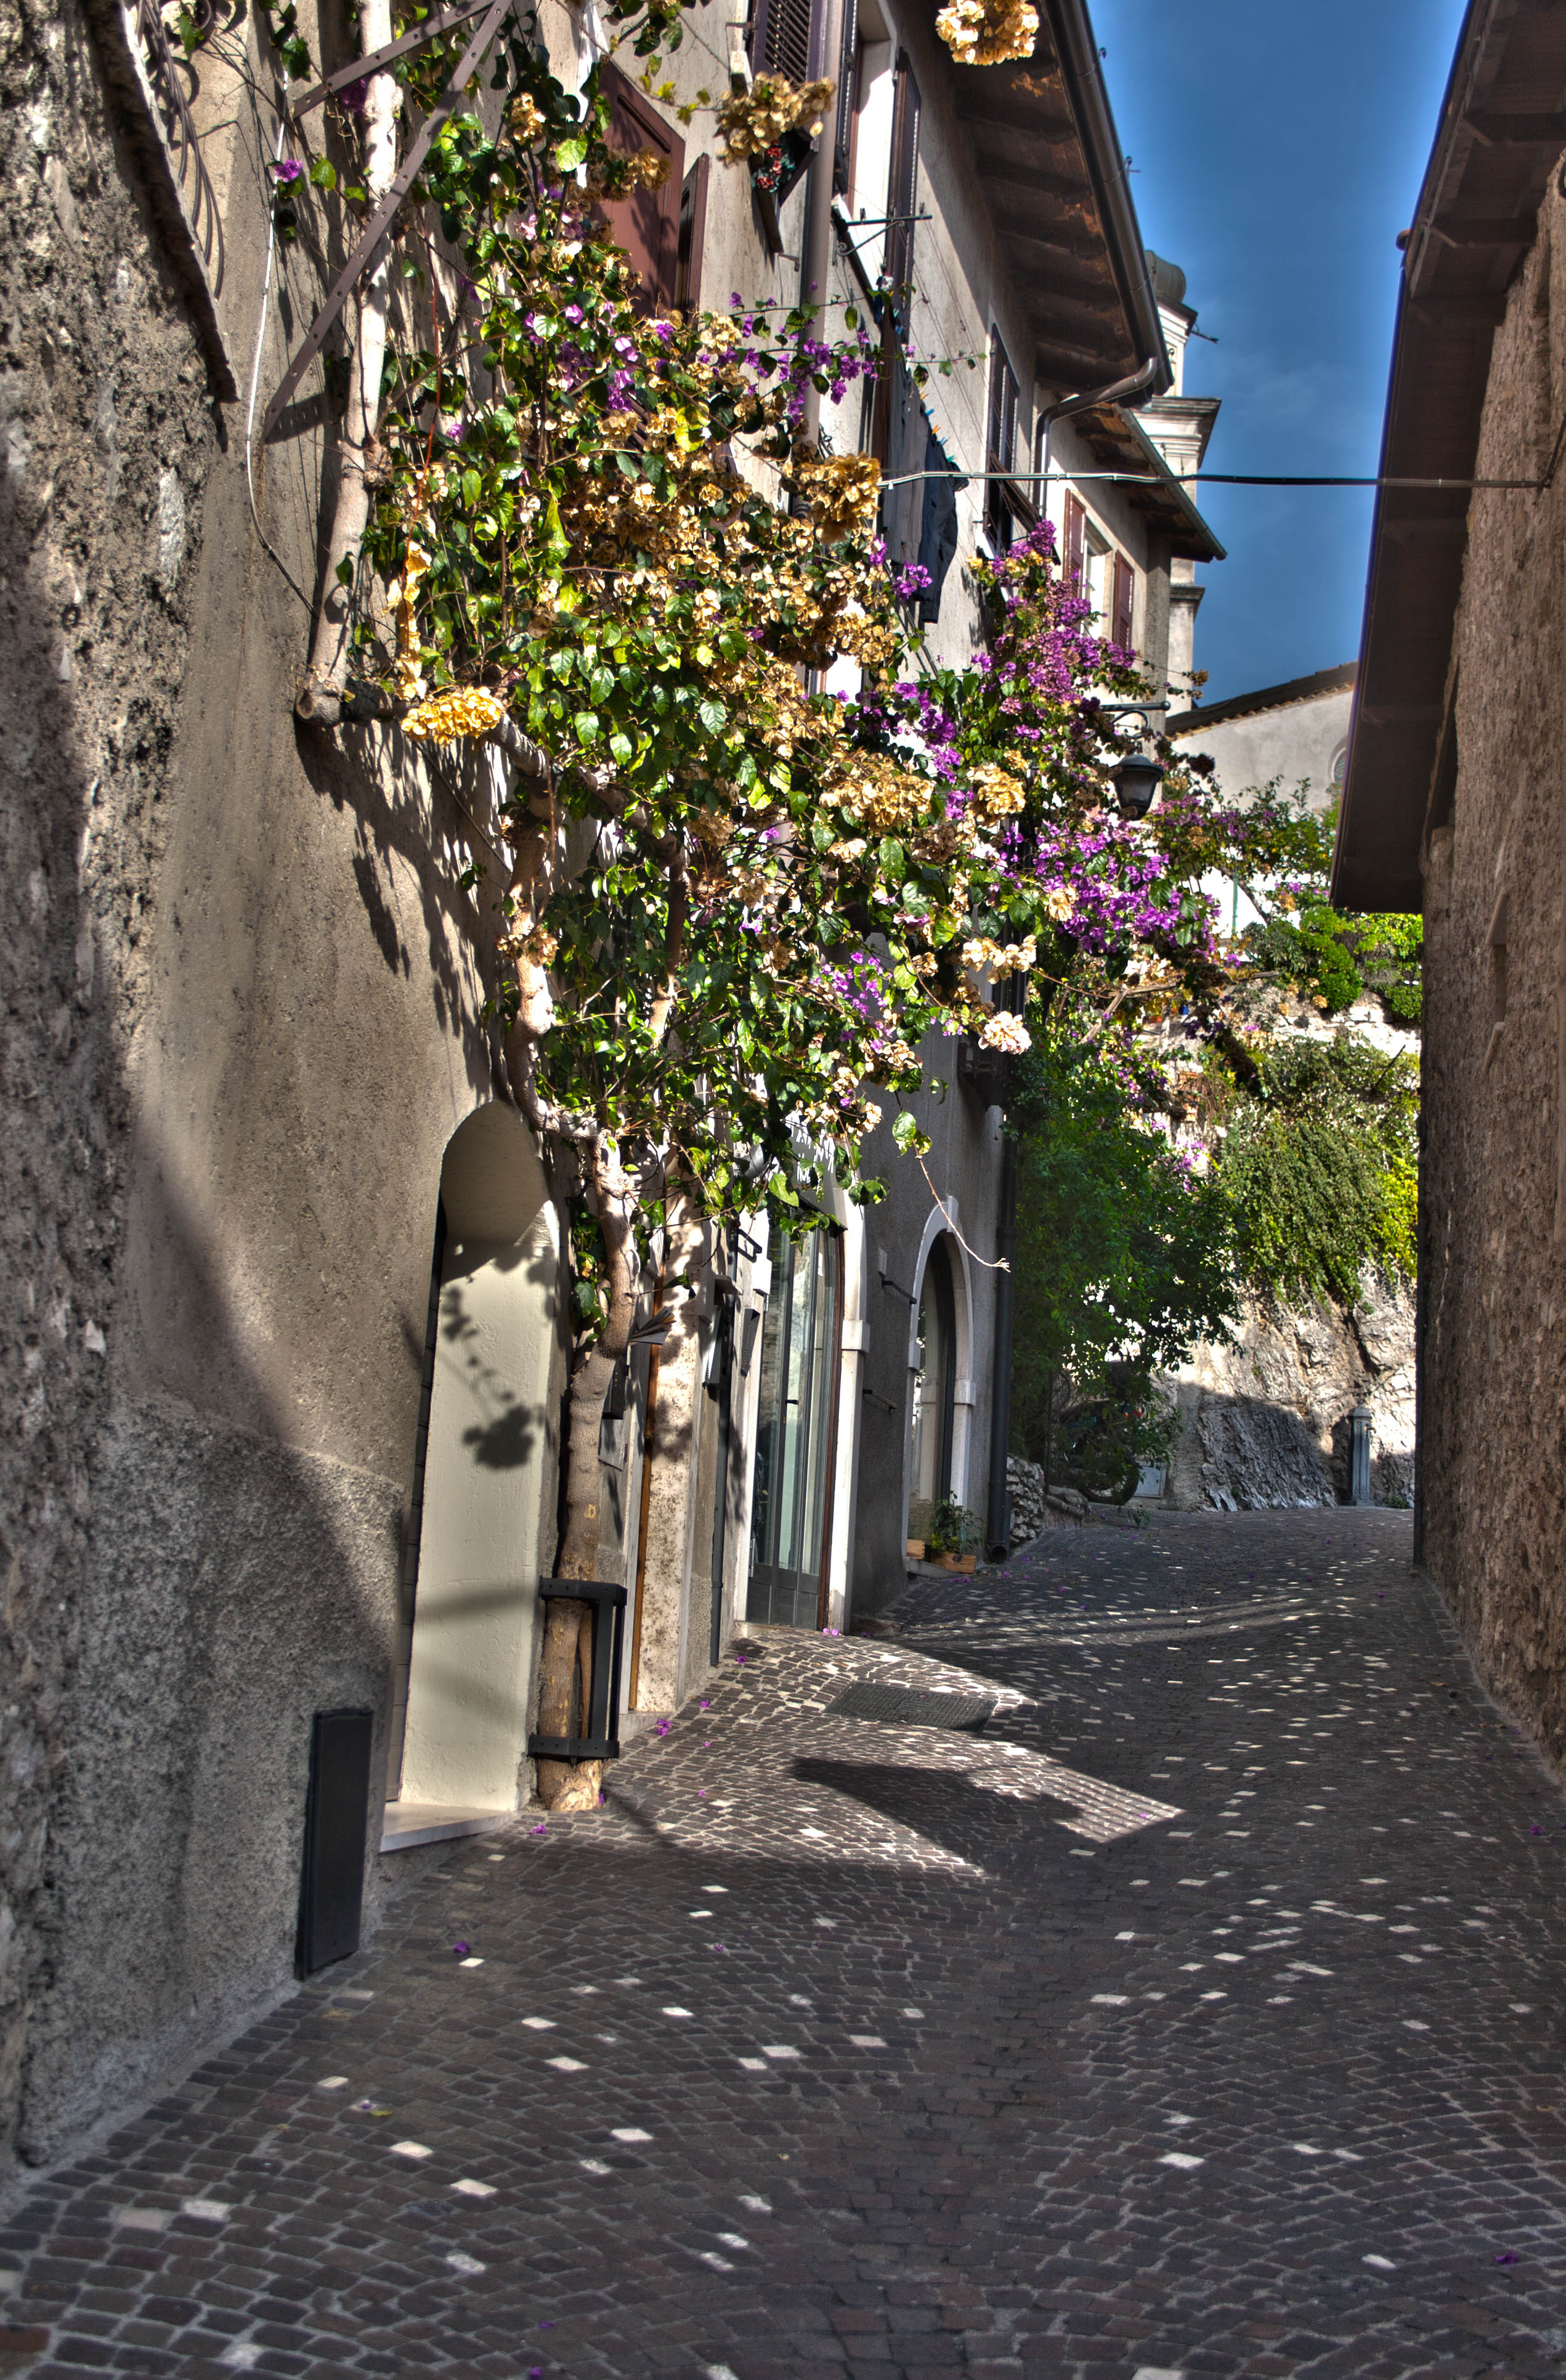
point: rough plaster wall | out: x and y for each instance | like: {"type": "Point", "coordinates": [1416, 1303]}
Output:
{"type": "Point", "coordinates": [1264, 1415]}
{"type": "Point", "coordinates": [1494, 1479]}
{"type": "Point", "coordinates": [107, 434]}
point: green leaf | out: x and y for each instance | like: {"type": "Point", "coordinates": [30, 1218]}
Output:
{"type": "Point", "coordinates": [893, 859]}
{"type": "Point", "coordinates": [472, 487]}
{"type": "Point", "coordinates": [571, 153]}
{"type": "Point", "coordinates": [346, 572]}
{"type": "Point", "coordinates": [586, 724]}
{"type": "Point", "coordinates": [323, 173]}
{"type": "Point", "coordinates": [713, 714]}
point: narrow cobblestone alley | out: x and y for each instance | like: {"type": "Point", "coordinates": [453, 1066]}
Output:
{"type": "Point", "coordinates": [1198, 2016]}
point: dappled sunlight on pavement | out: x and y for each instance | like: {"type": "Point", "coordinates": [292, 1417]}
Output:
{"type": "Point", "coordinates": [1198, 2015]}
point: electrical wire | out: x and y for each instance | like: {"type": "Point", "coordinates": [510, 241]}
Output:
{"type": "Point", "coordinates": [1220, 479]}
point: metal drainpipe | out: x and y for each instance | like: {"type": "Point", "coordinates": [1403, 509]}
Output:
{"type": "Point", "coordinates": [815, 262]}
{"type": "Point", "coordinates": [1108, 394]}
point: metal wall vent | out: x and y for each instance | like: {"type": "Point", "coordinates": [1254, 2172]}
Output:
{"type": "Point", "coordinates": [912, 1706]}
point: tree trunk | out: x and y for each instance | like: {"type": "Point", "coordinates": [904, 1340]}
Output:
{"type": "Point", "coordinates": [565, 1669]}
{"type": "Point", "coordinates": [320, 700]}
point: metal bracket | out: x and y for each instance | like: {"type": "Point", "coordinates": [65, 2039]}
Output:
{"type": "Point", "coordinates": [603, 1695]}
{"type": "Point", "coordinates": [380, 221]}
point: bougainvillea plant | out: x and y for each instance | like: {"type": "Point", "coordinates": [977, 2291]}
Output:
{"type": "Point", "coordinates": [732, 906]}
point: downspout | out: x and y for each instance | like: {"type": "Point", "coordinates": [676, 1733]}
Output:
{"type": "Point", "coordinates": [1137, 384]}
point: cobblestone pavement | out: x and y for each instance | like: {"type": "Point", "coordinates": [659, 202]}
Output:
{"type": "Point", "coordinates": [1201, 2016]}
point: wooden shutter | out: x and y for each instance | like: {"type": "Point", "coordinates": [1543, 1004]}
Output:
{"type": "Point", "coordinates": [903, 187]}
{"type": "Point", "coordinates": [781, 37]}
{"type": "Point", "coordinates": [1124, 609]}
{"type": "Point", "coordinates": [646, 225]}
{"type": "Point", "coordinates": [847, 103]}
{"type": "Point", "coordinates": [1075, 543]}
{"type": "Point", "coordinates": [1001, 441]}
{"type": "Point", "coordinates": [693, 235]}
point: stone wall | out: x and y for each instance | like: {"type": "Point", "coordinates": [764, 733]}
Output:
{"type": "Point", "coordinates": [108, 431]}
{"type": "Point", "coordinates": [1494, 1221]}
{"type": "Point", "coordinates": [1264, 1414]}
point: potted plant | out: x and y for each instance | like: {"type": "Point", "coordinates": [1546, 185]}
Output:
{"type": "Point", "coordinates": [952, 1530]}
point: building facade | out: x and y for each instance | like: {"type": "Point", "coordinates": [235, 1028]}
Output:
{"type": "Point", "coordinates": [287, 1339]}
{"type": "Point", "coordinates": [1453, 807]}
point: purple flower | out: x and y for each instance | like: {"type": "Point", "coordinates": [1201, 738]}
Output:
{"type": "Point", "coordinates": [662, 1727]}
{"type": "Point", "coordinates": [287, 169]}
{"type": "Point", "coordinates": [1506, 2257]}
{"type": "Point", "coordinates": [704, 1706]}
{"type": "Point", "coordinates": [460, 1951]}
{"type": "Point", "coordinates": [540, 1828]}
{"type": "Point", "coordinates": [354, 95]}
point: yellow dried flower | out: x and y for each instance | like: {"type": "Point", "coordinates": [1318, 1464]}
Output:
{"type": "Point", "coordinates": [458, 710]}
{"type": "Point", "coordinates": [526, 118]}
{"type": "Point", "coordinates": [751, 122]}
{"type": "Point", "coordinates": [988, 33]}
{"type": "Point", "coordinates": [842, 491]}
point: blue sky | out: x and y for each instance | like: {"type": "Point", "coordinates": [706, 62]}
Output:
{"type": "Point", "coordinates": [1277, 153]}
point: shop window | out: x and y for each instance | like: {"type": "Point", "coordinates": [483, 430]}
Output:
{"type": "Point", "coordinates": [935, 1394]}
{"type": "Point", "coordinates": [795, 1438]}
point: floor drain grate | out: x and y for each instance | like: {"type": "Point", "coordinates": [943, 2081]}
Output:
{"type": "Point", "coordinates": [910, 1707]}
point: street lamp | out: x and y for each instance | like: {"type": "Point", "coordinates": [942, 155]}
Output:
{"type": "Point", "coordinates": [1135, 775]}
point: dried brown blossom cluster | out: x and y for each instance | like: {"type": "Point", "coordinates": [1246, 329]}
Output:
{"type": "Point", "coordinates": [988, 33]}
{"type": "Point", "coordinates": [842, 490]}
{"type": "Point", "coordinates": [751, 122]}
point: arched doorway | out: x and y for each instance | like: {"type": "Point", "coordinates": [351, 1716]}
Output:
{"type": "Point", "coordinates": [934, 1391]}
{"type": "Point", "coordinates": [485, 1471]}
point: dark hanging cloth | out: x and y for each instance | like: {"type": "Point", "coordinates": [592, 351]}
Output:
{"type": "Point", "coordinates": [937, 524]}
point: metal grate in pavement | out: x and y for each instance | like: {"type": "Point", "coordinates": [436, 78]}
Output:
{"type": "Point", "coordinates": [910, 1707]}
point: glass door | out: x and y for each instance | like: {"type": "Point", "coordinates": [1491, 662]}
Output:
{"type": "Point", "coordinates": [792, 1499]}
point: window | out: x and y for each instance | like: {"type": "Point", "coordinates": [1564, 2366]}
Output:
{"type": "Point", "coordinates": [783, 38]}
{"type": "Point", "coordinates": [648, 223]}
{"type": "Point", "coordinates": [795, 1435]}
{"type": "Point", "coordinates": [1000, 443]}
{"type": "Point", "coordinates": [1123, 615]}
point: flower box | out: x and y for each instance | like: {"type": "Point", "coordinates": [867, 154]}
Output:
{"type": "Point", "coordinates": [916, 1546]}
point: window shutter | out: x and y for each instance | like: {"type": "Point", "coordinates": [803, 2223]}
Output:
{"type": "Point", "coordinates": [693, 235]}
{"type": "Point", "coordinates": [646, 225]}
{"type": "Point", "coordinates": [1075, 543]}
{"type": "Point", "coordinates": [1124, 601]}
{"type": "Point", "coordinates": [1001, 441]}
{"type": "Point", "coordinates": [781, 32]}
{"type": "Point", "coordinates": [847, 103]}
{"type": "Point", "coordinates": [903, 187]}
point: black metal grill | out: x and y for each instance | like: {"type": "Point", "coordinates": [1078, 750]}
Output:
{"type": "Point", "coordinates": [912, 1706]}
